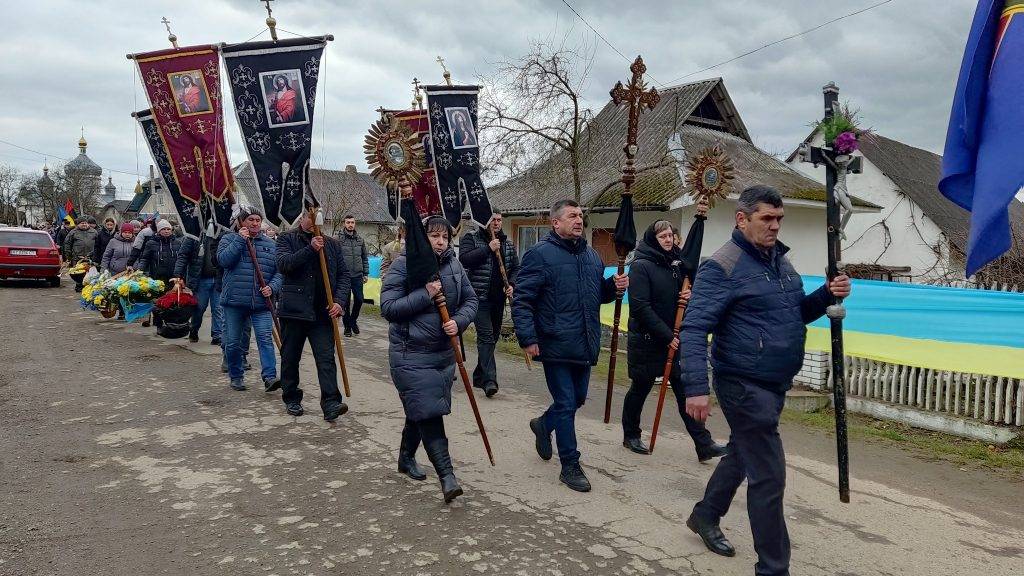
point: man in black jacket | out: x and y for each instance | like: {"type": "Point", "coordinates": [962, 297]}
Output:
{"type": "Point", "coordinates": [103, 238]}
{"type": "Point", "coordinates": [196, 265]}
{"type": "Point", "coordinates": [479, 251]}
{"type": "Point", "coordinates": [353, 251]}
{"type": "Point", "coordinates": [304, 313]}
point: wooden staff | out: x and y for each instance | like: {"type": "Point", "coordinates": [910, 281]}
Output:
{"type": "Point", "coordinates": [442, 308]}
{"type": "Point", "coordinates": [504, 280]}
{"type": "Point", "coordinates": [667, 372]}
{"type": "Point", "coordinates": [338, 347]}
{"type": "Point", "coordinates": [266, 299]}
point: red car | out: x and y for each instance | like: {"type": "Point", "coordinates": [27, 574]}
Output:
{"type": "Point", "coordinates": [26, 253]}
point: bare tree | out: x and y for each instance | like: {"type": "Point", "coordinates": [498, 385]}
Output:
{"type": "Point", "coordinates": [10, 184]}
{"type": "Point", "coordinates": [532, 110]}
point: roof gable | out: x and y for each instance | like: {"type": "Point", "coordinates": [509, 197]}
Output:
{"type": "Point", "coordinates": [702, 113]}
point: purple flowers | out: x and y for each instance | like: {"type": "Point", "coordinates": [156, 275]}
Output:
{"type": "Point", "coordinates": [846, 143]}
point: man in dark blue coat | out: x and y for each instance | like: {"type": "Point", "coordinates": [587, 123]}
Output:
{"type": "Point", "coordinates": [751, 299]}
{"type": "Point", "coordinates": [302, 308]}
{"type": "Point", "coordinates": [556, 310]}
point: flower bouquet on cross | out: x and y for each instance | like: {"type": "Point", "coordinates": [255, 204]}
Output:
{"type": "Point", "coordinates": [841, 131]}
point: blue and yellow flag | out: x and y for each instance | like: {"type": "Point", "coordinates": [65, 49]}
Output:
{"type": "Point", "coordinates": [982, 169]}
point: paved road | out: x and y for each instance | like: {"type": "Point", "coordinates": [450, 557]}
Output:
{"type": "Point", "coordinates": [122, 453]}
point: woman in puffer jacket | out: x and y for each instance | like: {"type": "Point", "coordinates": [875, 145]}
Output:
{"type": "Point", "coordinates": [421, 356]}
{"type": "Point", "coordinates": [119, 250]}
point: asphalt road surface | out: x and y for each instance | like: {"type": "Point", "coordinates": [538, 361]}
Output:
{"type": "Point", "coordinates": [123, 453]}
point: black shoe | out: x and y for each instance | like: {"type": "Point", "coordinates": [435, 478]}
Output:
{"type": "Point", "coordinates": [712, 451]}
{"type": "Point", "coordinates": [348, 332]}
{"type": "Point", "coordinates": [271, 384]}
{"type": "Point", "coordinates": [543, 438]}
{"type": "Point", "coordinates": [355, 330]}
{"type": "Point", "coordinates": [572, 476]}
{"type": "Point", "coordinates": [490, 389]}
{"type": "Point", "coordinates": [237, 384]}
{"type": "Point", "coordinates": [215, 340]}
{"type": "Point", "coordinates": [635, 445]}
{"type": "Point", "coordinates": [145, 323]}
{"type": "Point", "coordinates": [294, 409]}
{"type": "Point", "coordinates": [332, 412]}
{"type": "Point", "coordinates": [78, 288]}
{"type": "Point", "coordinates": [712, 536]}
{"type": "Point", "coordinates": [193, 337]}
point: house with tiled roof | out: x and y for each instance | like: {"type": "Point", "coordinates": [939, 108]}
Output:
{"type": "Point", "coordinates": [688, 119]}
{"type": "Point", "coordinates": [918, 235]}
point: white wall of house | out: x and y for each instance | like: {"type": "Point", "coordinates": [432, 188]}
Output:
{"type": "Point", "coordinates": [911, 236]}
{"type": "Point", "coordinates": [803, 230]}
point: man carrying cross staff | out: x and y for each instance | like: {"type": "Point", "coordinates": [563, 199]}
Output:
{"type": "Point", "coordinates": [751, 299]}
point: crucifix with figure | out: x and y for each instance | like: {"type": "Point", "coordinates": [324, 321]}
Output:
{"type": "Point", "coordinates": [636, 97]}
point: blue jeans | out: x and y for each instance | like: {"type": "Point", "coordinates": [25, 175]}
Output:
{"type": "Point", "coordinates": [568, 385]}
{"type": "Point", "coordinates": [235, 319]}
{"type": "Point", "coordinates": [207, 297]}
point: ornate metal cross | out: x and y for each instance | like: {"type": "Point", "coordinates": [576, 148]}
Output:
{"type": "Point", "coordinates": [271, 22]}
{"type": "Point", "coordinates": [417, 101]}
{"type": "Point", "coordinates": [637, 98]}
{"type": "Point", "coordinates": [170, 35]}
{"type": "Point", "coordinates": [447, 74]}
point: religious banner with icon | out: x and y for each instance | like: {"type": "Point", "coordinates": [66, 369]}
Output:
{"type": "Point", "coordinates": [183, 88]}
{"type": "Point", "coordinates": [424, 192]}
{"type": "Point", "coordinates": [273, 86]}
{"type": "Point", "coordinates": [451, 111]}
{"type": "Point", "coordinates": [190, 214]}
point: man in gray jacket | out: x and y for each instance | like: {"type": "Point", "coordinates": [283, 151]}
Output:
{"type": "Point", "coordinates": [353, 251]}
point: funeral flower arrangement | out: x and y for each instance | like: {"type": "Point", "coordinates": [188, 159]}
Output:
{"type": "Point", "coordinates": [106, 291]}
{"type": "Point", "coordinates": [840, 131]}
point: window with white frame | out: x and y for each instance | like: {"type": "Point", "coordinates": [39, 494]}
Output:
{"type": "Point", "coordinates": [527, 236]}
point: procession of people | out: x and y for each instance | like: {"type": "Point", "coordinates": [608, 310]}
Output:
{"type": "Point", "coordinates": [277, 290]}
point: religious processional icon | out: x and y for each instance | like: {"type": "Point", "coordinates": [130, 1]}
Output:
{"type": "Point", "coordinates": [710, 175]}
{"type": "Point", "coordinates": [394, 152]}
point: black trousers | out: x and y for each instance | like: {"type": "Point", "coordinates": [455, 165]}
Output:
{"type": "Point", "coordinates": [355, 303]}
{"type": "Point", "coordinates": [320, 333]}
{"type": "Point", "coordinates": [489, 315]}
{"type": "Point", "coordinates": [755, 454]}
{"type": "Point", "coordinates": [640, 388]}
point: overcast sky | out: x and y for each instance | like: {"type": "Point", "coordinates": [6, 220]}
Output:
{"type": "Point", "coordinates": [64, 67]}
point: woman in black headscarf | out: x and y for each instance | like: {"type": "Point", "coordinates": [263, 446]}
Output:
{"type": "Point", "coordinates": [655, 279]}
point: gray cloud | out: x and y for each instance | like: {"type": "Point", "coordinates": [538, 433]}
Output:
{"type": "Point", "coordinates": [64, 63]}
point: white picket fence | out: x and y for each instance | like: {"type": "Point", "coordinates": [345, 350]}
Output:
{"type": "Point", "coordinates": [986, 398]}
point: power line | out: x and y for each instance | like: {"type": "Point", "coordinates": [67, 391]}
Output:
{"type": "Point", "coordinates": [734, 58]}
{"type": "Point", "coordinates": [45, 155]}
{"type": "Point", "coordinates": [781, 40]}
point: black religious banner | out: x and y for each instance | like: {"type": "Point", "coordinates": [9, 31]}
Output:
{"type": "Point", "coordinates": [689, 256]}
{"type": "Point", "coordinates": [193, 216]}
{"type": "Point", "coordinates": [273, 86]}
{"type": "Point", "coordinates": [420, 260]}
{"type": "Point", "coordinates": [456, 152]}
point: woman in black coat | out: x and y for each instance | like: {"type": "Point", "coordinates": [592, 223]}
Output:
{"type": "Point", "coordinates": [655, 279]}
{"type": "Point", "coordinates": [421, 356]}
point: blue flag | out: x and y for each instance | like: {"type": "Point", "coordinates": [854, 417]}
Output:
{"type": "Point", "coordinates": [982, 169]}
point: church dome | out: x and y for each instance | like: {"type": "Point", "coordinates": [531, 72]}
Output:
{"type": "Point", "coordinates": [82, 163]}
{"type": "Point", "coordinates": [110, 188]}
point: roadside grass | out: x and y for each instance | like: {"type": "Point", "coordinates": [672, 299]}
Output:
{"type": "Point", "coordinates": [928, 444]}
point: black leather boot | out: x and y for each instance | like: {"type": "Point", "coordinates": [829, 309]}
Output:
{"type": "Point", "coordinates": [705, 453]}
{"type": "Point", "coordinates": [437, 451]}
{"type": "Point", "coordinates": [407, 453]}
